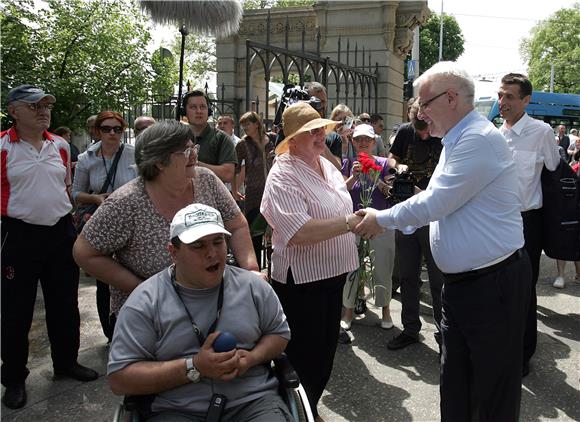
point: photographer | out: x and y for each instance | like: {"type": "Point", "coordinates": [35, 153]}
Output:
{"type": "Point", "coordinates": [416, 154]}
{"type": "Point", "coordinates": [315, 94]}
{"type": "Point", "coordinates": [333, 152]}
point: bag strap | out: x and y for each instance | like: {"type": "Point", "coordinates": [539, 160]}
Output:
{"type": "Point", "coordinates": [112, 170]}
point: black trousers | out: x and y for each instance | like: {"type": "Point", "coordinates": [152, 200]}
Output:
{"type": "Point", "coordinates": [31, 253]}
{"type": "Point", "coordinates": [483, 330]}
{"type": "Point", "coordinates": [410, 249]}
{"type": "Point", "coordinates": [104, 309]}
{"type": "Point", "coordinates": [313, 311]}
{"type": "Point", "coordinates": [533, 238]}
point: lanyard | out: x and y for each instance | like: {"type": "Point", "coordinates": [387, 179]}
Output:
{"type": "Point", "coordinates": [197, 331]}
{"type": "Point", "coordinates": [111, 169]}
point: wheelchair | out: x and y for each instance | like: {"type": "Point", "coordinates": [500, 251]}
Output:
{"type": "Point", "coordinates": [289, 388]}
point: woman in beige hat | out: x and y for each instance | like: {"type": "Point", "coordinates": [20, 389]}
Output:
{"type": "Point", "coordinates": [309, 208]}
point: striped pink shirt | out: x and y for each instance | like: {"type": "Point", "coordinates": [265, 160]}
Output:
{"type": "Point", "coordinates": [293, 195]}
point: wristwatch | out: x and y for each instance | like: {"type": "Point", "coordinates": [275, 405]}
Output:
{"type": "Point", "coordinates": [191, 372]}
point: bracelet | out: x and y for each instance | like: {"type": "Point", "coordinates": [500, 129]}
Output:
{"type": "Point", "coordinates": [347, 225]}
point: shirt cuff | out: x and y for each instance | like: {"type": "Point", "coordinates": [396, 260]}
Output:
{"type": "Point", "coordinates": [385, 219]}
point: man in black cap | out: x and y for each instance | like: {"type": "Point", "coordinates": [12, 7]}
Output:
{"type": "Point", "coordinates": [37, 240]}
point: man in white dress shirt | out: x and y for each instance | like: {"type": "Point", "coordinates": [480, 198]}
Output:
{"type": "Point", "coordinates": [532, 144]}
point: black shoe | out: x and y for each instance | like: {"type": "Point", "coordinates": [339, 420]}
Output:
{"type": "Point", "coordinates": [401, 341]}
{"type": "Point", "coordinates": [526, 369]}
{"type": "Point", "coordinates": [344, 336]}
{"type": "Point", "coordinates": [14, 396]}
{"type": "Point", "coordinates": [77, 372]}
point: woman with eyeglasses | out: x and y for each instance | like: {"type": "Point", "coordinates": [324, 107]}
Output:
{"type": "Point", "coordinates": [255, 154]}
{"type": "Point", "coordinates": [308, 206]}
{"type": "Point", "coordinates": [125, 242]}
{"type": "Point", "coordinates": [91, 171]}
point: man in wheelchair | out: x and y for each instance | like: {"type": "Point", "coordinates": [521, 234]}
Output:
{"type": "Point", "coordinates": [169, 333]}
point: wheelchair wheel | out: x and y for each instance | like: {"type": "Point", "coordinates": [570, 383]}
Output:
{"type": "Point", "coordinates": [299, 413]}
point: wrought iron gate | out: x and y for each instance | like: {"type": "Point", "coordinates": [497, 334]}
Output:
{"type": "Point", "coordinates": [359, 80]}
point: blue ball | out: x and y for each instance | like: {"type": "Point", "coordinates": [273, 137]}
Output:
{"type": "Point", "coordinates": [225, 342]}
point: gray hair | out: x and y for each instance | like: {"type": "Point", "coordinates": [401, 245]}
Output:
{"type": "Point", "coordinates": [450, 73]}
{"type": "Point", "coordinates": [155, 145]}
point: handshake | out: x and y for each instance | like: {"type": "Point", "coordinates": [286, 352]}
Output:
{"type": "Point", "coordinates": [364, 223]}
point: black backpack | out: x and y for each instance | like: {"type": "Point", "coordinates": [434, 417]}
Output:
{"type": "Point", "coordinates": [561, 213]}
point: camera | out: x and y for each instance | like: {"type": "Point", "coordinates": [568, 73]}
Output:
{"type": "Point", "coordinates": [403, 186]}
{"type": "Point", "coordinates": [291, 95]}
{"type": "Point", "coordinates": [348, 121]}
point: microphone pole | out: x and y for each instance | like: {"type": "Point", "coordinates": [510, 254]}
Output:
{"type": "Point", "coordinates": [178, 109]}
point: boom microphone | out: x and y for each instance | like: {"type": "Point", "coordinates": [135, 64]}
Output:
{"type": "Point", "coordinates": [212, 17]}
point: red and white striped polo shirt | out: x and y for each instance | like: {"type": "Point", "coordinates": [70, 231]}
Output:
{"type": "Point", "coordinates": [295, 194]}
{"type": "Point", "coordinates": [34, 184]}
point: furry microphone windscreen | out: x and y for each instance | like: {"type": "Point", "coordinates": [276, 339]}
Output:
{"type": "Point", "coordinates": [218, 17]}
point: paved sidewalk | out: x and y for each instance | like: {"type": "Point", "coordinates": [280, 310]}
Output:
{"type": "Point", "coordinates": [369, 382]}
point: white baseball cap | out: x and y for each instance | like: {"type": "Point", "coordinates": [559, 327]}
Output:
{"type": "Point", "coordinates": [196, 221]}
{"type": "Point", "coordinates": [364, 130]}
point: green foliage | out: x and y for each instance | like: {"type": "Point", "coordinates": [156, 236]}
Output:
{"type": "Point", "coordinates": [199, 60]}
{"type": "Point", "coordinates": [166, 74]}
{"type": "Point", "coordinates": [293, 78]}
{"type": "Point", "coordinates": [90, 54]}
{"type": "Point", "coordinates": [429, 41]}
{"type": "Point", "coordinates": [556, 41]}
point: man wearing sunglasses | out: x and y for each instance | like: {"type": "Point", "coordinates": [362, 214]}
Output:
{"type": "Point", "coordinates": [333, 152]}
{"type": "Point", "coordinates": [142, 123]}
{"type": "Point", "coordinates": [476, 238]}
{"type": "Point", "coordinates": [37, 240]}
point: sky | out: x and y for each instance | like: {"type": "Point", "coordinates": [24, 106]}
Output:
{"type": "Point", "coordinates": [493, 30]}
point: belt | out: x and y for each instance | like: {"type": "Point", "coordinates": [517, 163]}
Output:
{"type": "Point", "coordinates": [468, 275]}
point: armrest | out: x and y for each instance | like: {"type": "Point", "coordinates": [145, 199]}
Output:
{"type": "Point", "coordinates": [285, 372]}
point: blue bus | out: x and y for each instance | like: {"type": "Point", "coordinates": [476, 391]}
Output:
{"type": "Point", "coordinates": [554, 109]}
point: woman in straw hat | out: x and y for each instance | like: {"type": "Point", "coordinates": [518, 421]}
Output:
{"type": "Point", "coordinates": [309, 208]}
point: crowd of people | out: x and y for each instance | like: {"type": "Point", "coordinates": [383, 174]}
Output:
{"type": "Point", "coordinates": [153, 224]}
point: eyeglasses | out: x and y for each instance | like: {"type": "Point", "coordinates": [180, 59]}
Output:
{"type": "Point", "coordinates": [187, 152]}
{"type": "Point", "coordinates": [363, 139]}
{"type": "Point", "coordinates": [108, 129]}
{"type": "Point", "coordinates": [39, 107]}
{"type": "Point", "coordinates": [425, 105]}
{"type": "Point", "coordinates": [316, 131]}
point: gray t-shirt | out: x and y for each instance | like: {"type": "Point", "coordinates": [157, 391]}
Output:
{"type": "Point", "coordinates": [154, 326]}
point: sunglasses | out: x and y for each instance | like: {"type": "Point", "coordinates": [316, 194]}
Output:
{"type": "Point", "coordinates": [108, 129]}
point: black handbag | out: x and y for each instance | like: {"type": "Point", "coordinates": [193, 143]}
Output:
{"type": "Point", "coordinates": [84, 213]}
